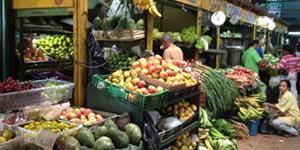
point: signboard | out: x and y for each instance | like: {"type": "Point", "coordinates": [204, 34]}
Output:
{"type": "Point", "coordinates": [249, 17]}
{"type": "Point", "coordinates": [234, 9]}
{"type": "Point", "coordinates": [195, 3]}
{"type": "Point", "coordinates": [45, 139]}
{"type": "Point", "coordinates": [274, 8]}
{"type": "Point", "coordinates": [209, 4]}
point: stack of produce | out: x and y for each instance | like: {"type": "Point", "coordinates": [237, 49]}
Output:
{"type": "Point", "coordinates": [243, 77]}
{"type": "Point", "coordinates": [120, 60]}
{"type": "Point", "coordinates": [224, 127]}
{"type": "Point", "coordinates": [7, 135]}
{"type": "Point", "coordinates": [52, 126]}
{"type": "Point", "coordinates": [273, 61]}
{"type": "Point", "coordinates": [149, 5]}
{"type": "Point", "coordinates": [11, 85]}
{"type": "Point", "coordinates": [32, 55]}
{"type": "Point", "coordinates": [81, 115]}
{"type": "Point", "coordinates": [130, 81]}
{"type": "Point", "coordinates": [228, 34]}
{"type": "Point", "coordinates": [55, 93]}
{"type": "Point", "coordinates": [224, 71]}
{"type": "Point", "coordinates": [165, 72]}
{"type": "Point", "coordinates": [216, 98]}
{"type": "Point", "coordinates": [250, 107]}
{"type": "Point", "coordinates": [181, 110]}
{"type": "Point", "coordinates": [185, 142]}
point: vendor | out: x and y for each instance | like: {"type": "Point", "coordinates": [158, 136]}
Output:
{"type": "Point", "coordinates": [172, 52]}
{"type": "Point", "coordinates": [288, 116]}
{"type": "Point", "coordinates": [251, 57]}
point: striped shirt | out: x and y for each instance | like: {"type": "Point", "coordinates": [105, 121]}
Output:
{"type": "Point", "coordinates": [290, 61]}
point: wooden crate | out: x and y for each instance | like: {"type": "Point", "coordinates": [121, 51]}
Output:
{"type": "Point", "coordinates": [124, 35]}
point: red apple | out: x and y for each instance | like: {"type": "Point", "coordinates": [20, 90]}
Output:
{"type": "Point", "coordinates": [82, 116]}
{"type": "Point", "coordinates": [136, 81]}
{"type": "Point", "coordinates": [151, 69]}
{"type": "Point", "coordinates": [141, 84]}
{"type": "Point", "coordinates": [135, 65]}
{"type": "Point", "coordinates": [170, 72]}
{"type": "Point", "coordinates": [87, 111]}
{"type": "Point", "coordinates": [149, 63]}
{"type": "Point", "coordinates": [158, 68]}
{"type": "Point", "coordinates": [155, 75]}
{"type": "Point", "coordinates": [69, 110]}
{"type": "Point", "coordinates": [159, 89]}
{"type": "Point", "coordinates": [151, 58]}
{"type": "Point", "coordinates": [144, 91]}
{"type": "Point", "coordinates": [99, 119]}
{"type": "Point", "coordinates": [91, 115]}
{"type": "Point", "coordinates": [82, 121]}
{"type": "Point", "coordinates": [78, 114]}
{"type": "Point", "coordinates": [71, 115]}
{"type": "Point", "coordinates": [74, 120]}
{"type": "Point", "coordinates": [144, 71]}
{"type": "Point", "coordinates": [163, 75]}
{"type": "Point", "coordinates": [158, 57]}
{"type": "Point", "coordinates": [87, 123]}
{"type": "Point", "coordinates": [82, 110]}
{"type": "Point", "coordinates": [138, 69]}
{"type": "Point", "coordinates": [151, 89]}
{"type": "Point", "coordinates": [63, 113]}
{"type": "Point", "coordinates": [165, 66]}
{"type": "Point", "coordinates": [93, 120]}
{"type": "Point", "coordinates": [156, 62]}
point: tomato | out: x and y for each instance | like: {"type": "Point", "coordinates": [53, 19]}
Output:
{"type": "Point", "coordinates": [236, 68]}
{"type": "Point", "coordinates": [192, 60]}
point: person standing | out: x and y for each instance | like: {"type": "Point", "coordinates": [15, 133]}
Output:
{"type": "Point", "coordinates": [259, 49]}
{"type": "Point", "coordinates": [251, 58]}
{"type": "Point", "coordinates": [291, 61]}
{"type": "Point", "coordinates": [172, 52]}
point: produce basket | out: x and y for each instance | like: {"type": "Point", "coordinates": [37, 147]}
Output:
{"type": "Point", "coordinates": [176, 94]}
{"type": "Point", "coordinates": [30, 135]}
{"type": "Point", "coordinates": [171, 131]}
{"type": "Point", "coordinates": [105, 115]}
{"type": "Point", "coordinates": [54, 74]}
{"type": "Point", "coordinates": [138, 99]}
{"type": "Point", "coordinates": [192, 89]}
{"type": "Point", "coordinates": [129, 35]}
{"type": "Point", "coordinates": [190, 120]}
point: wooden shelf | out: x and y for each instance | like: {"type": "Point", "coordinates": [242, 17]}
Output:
{"type": "Point", "coordinates": [121, 39]}
{"type": "Point", "coordinates": [123, 35]}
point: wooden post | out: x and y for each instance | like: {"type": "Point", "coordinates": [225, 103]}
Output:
{"type": "Point", "coordinates": [149, 31]}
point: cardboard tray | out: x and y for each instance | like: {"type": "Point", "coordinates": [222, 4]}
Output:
{"type": "Point", "coordinates": [158, 83]}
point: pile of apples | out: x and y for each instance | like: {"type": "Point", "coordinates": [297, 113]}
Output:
{"type": "Point", "coordinates": [163, 71]}
{"type": "Point", "coordinates": [130, 81]}
{"type": "Point", "coordinates": [80, 115]}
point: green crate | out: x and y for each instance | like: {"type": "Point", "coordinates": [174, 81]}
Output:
{"type": "Point", "coordinates": [171, 132]}
{"type": "Point", "coordinates": [138, 99]}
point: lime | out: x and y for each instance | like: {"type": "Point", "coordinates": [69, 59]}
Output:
{"type": "Point", "coordinates": [130, 63]}
{"type": "Point", "coordinates": [64, 43]}
{"type": "Point", "coordinates": [71, 44]}
{"type": "Point", "coordinates": [124, 59]}
{"type": "Point", "coordinates": [42, 40]}
{"type": "Point", "coordinates": [113, 66]}
{"type": "Point", "coordinates": [122, 52]}
{"type": "Point", "coordinates": [57, 57]}
{"type": "Point", "coordinates": [115, 62]}
{"type": "Point", "coordinates": [114, 59]}
{"type": "Point", "coordinates": [110, 62]}
{"type": "Point", "coordinates": [129, 59]}
{"type": "Point", "coordinates": [120, 63]}
{"type": "Point", "coordinates": [69, 50]}
{"type": "Point", "coordinates": [118, 58]}
{"type": "Point", "coordinates": [124, 63]}
{"type": "Point", "coordinates": [123, 55]}
{"type": "Point", "coordinates": [52, 38]}
{"type": "Point", "coordinates": [59, 43]}
{"type": "Point", "coordinates": [117, 66]}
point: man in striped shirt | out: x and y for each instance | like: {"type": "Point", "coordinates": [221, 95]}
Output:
{"type": "Point", "coordinates": [291, 60]}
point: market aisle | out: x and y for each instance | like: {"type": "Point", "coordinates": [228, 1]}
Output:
{"type": "Point", "coordinates": [270, 142]}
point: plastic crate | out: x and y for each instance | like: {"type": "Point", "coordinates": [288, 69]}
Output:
{"type": "Point", "coordinates": [191, 120]}
{"type": "Point", "coordinates": [176, 94]}
{"type": "Point", "coordinates": [253, 127]}
{"type": "Point", "coordinates": [201, 99]}
{"type": "Point", "coordinates": [171, 132]}
{"type": "Point", "coordinates": [138, 99]}
{"type": "Point", "coordinates": [192, 89]}
{"type": "Point", "coordinates": [30, 135]}
{"type": "Point", "coordinates": [45, 75]}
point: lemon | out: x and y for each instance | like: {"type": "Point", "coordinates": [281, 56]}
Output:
{"type": "Point", "coordinates": [26, 127]}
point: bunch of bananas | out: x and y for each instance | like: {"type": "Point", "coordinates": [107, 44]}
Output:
{"type": "Point", "coordinates": [147, 5]}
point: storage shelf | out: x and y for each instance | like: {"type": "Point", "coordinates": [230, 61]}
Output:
{"type": "Point", "coordinates": [45, 69]}
{"type": "Point", "coordinates": [175, 136]}
{"type": "Point", "coordinates": [125, 40]}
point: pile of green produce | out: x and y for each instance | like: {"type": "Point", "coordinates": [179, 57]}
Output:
{"type": "Point", "coordinates": [272, 59]}
{"type": "Point", "coordinates": [216, 98]}
{"type": "Point", "coordinates": [224, 127]}
{"type": "Point", "coordinates": [120, 60]}
{"type": "Point", "coordinates": [189, 35]}
{"type": "Point", "coordinates": [106, 137]}
{"type": "Point", "coordinates": [157, 35]}
{"type": "Point", "coordinates": [57, 93]}
{"type": "Point", "coordinates": [203, 43]}
{"type": "Point", "coordinates": [224, 71]}
{"type": "Point", "coordinates": [228, 34]}
{"type": "Point", "coordinates": [204, 30]}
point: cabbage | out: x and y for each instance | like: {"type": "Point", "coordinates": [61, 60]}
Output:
{"type": "Point", "coordinates": [155, 30]}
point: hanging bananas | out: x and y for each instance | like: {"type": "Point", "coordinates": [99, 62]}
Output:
{"type": "Point", "coordinates": [147, 5]}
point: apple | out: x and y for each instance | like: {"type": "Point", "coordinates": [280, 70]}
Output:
{"type": "Point", "coordinates": [99, 116]}
{"type": "Point", "coordinates": [63, 117]}
{"type": "Point", "coordinates": [93, 120]}
{"type": "Point", "coordinates": [87, 111]}
{"type": "Point", "coordinates": [165, 66]}
{"type": "Point", "coordinates": [141, 84]}
{"type": "Point", "coordinates": [156, 62]}
{"type": "Point", "coordinates": [149, 75]}
{"type": "Point", "coordinates": [170, 79]}
{"type": "Point", "coordinates": [170, 72]}
{"type": "Point", "coordinates": [136, 81]}
{"type": "Point", "coordinates": [161, 80]}
{"type": "Point", "coordinates": [149, 63]}
{"type": "Point", "coordinates": [155, 75]}
{"type": "Point", "coordinates": [76, 109]}
{"type": "Point", "coordinates": [151, 69]}
{"type": "Point", "coordinates": [82, 121]}
{"type": "Point", "coordinates": [139, 91]}
{"type": "Point", "coordinates": [135, 88]}
{"type": "Point", "coordinates": [151, 58]}
{"type": "Point", "coordinates": [69, 110]}
{"type": "Point", "coordinates": [158, 57]}
{"type": "Point", "coordinates": [91, 115]}
{"type": "Point", "coordinates": [71, 115]}
{"type": "Point", "coordinates": [163, 75]}
{"type": "Point", "coordinates": [159, 89]}
{"type": "Point", "coordinates": [82, 110]}
{"type": "Point", "coordinates": [99, 119]}
{"type": "Point", "coordinates": [78, 114]}
{"type": "Point", "coordinates": [82, 116]}
{"type": "Point", "coordinates": [142, 60]}
{"type": "Point", "coordinates": [175, 71]}
{"type": "Point", "coordinates": [87, 123]}
{"type": "Point", "coordinates": [169, 83]}
{"type": "Point", "coordinates": [143, 65]}
{"type": "Point", "coordinates": [144, 71]}
{"type": "Point", "coordinates": [138, 69]}
{"type": "Point", "coordinates": [129, 86]}
{"type": "Point", "coordinates": [144, 91]}
{"type": "Point", "coordinates": [158, 68]}
{"type": "Point", "coordinates": [63, 113]}
{"type": "Point", "coordinates": [135, 65]}
{"type": "Point", "coordinates": [151, 89]}
{"type": "Point", "coordinates": [74, 120]}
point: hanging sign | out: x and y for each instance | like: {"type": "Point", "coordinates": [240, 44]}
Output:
{"type": "Point", "coordinates": [234, 9]}
{"type": "Point", "coordinates": [249, 17]}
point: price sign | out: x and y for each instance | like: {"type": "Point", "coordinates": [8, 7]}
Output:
{"type": "Point", "coordinates": [45, 139]}
{"type": "Point", "coordinates": [248, 17]}
{"type": "Point", "coordinates": [233, 9]}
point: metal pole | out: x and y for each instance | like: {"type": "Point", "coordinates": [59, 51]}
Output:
{"type": "Point", "coordinates": [1, 52]}
{"type": "Point", "coordinates": [5, 38]}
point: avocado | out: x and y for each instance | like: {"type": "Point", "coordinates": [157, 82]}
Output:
{"type": "Point", "coordinates": [71, 141]}
{"type": "Point", "coordinates": [106, 22]}
{"type": "Point", "coordinates": [100, 131]}
{"type": "Point", "coordinates": [97, 24]}
{"type": "Point", "coordinates": [134, 133]}
{"type": "Point", "coordinates": [102, 144]}
{"type": "Point", "coordinates": [131, 24]}
{"type": "Point", "coordinates": [141, 24]}
{"type": "Point", "coordinates": [116, 19]}
{"type": "Point", "coordinates": [109, 124]}
{"type": "Point", "coordinates": [122, 23]}
{"type": "Point", "coordinates": [119, 138]}
{"type": "Point", "coordinates": [85, 137]}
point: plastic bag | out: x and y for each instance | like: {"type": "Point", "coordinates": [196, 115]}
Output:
{"type": "Point", "coordinates": [151, 140]}
{"type": "Point", "coordinates": [273, 94]}
{"type": "Point", "coordinates": [171, 122]}
{"type": "Point", "coordinates": [265, 127]}
{"type": "Point", "coordinates": [274, 81]}
{"type": "Point", "coordinates": [155, 116]}
{"type": "Point", "coordinates": [191, 139]}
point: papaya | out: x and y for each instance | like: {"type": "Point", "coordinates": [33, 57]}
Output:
{"type": "Point", "coordinates": [122, 23]}
{"type": "Point", "coordinates": [131, 24]}
{"type": "Point", "coordinates": [98, 24]}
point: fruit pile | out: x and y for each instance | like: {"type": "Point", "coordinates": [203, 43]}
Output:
{"type": "Point", "coordinates": [131, 81]}
{"type": "Point", "coordinates": [57, 93]}
{"type": "Point", "coordinates": [7, 135]}
{"type": "Point", "coordinates": [165, 72]}
{"type": "Point", "coordinates": [181, 110]}
{"type": "Point", "coordinates": [80, 115]}
{"type": "Point", "coordinates": [11, 85]}
{"type": "Point", "coordinates": [181, 142]}
{"type": "Point", "coordinates": [53, 126]}
{"type": "Point", "coordinates": [120, 60]}
{"type": "Point", "coordinates": [243, 77]}
{"type": "Point", "coordinates": [32, 55]}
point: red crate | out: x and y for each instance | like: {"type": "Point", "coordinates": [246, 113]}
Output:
{"type": "Point", "coordinates": [201, 98]}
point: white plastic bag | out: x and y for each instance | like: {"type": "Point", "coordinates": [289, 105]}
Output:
{"type": "Point", "coordinates": [171, 122]}
{"type": "Point", "coordinates": [274, 81]}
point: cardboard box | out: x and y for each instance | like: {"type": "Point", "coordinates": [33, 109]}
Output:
{"type": "Point", "coordinates": [158, 83]}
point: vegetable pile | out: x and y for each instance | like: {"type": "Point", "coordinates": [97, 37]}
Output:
{"type": "Point", "coordinates": [243, 77]}
{"type": "Point", "coordinates": [216, 98]}
{"type": "Point", "coordinates": [189, 35]}
{"type": "Point", "coordinates": [228, 34]}
{"type": "Point", "coordinates": [273, 61]}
